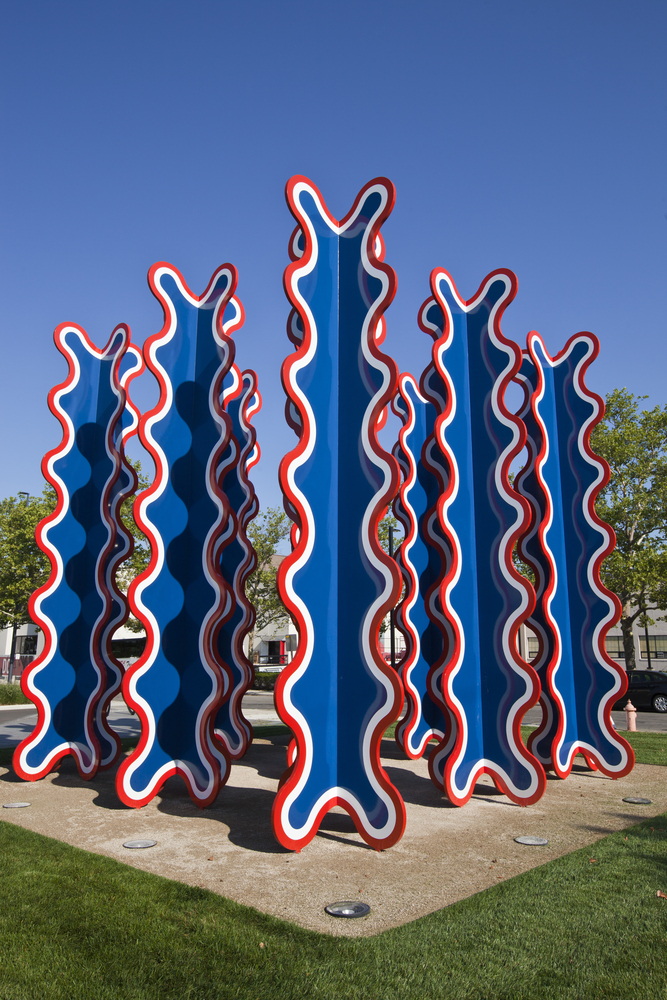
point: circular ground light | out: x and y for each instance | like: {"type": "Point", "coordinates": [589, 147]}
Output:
{"type": "Point", "coordinates": [15, 805]}
{"type": "Point", "coordinates": [532, 841]}
{"type": "Point", "coordinates": [348, 909]}
{"type": "Point", "coordinates": [637, 802]}
{"type": "Point", "coordinates": [136, 845]}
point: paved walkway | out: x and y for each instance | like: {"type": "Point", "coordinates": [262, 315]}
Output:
{"type": "Point", "coordinates": [18, 721]}
{"type": "Point", "coordinates": [445, 855]}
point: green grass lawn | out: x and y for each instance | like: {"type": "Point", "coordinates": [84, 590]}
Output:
{"type": "Point", "coordinates": [649, 748]}
{"type": "Point", "coordinates": [76, 926]}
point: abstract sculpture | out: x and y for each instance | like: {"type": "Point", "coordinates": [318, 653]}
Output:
{"type": "Point", "coordinates": [423, 560]}
{"type": "Point", "coordinates": [237, 556]}
{"type": "Point", "coordinates": [487, 686]}
{"type": "Point", "coordinates": [466, 530]}
{"type": "Point", "coordinates": [74, 606]}
{"type": "Point", "coordinates": [179, 682]}
{"type": "Point", "coordinates": [338, 583]}
{"type": "Point", "coordinates": [131, 365]}
{"type": "Point", "coordinates": [565, 544]}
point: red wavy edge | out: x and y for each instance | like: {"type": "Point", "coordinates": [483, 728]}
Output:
{"type": "Point", "coordinates": [220, 669]}
{"type": "Point", "coordinates": [403, 512]}
{"type": "Point", "coordinates": [593, 759]}
{"type": "Point", "coordinates": [299, 537]}
{"type": "Point", "coordinates": [249, 455]}
{"type": "Point", "coordinates": [50, 640]}
{"type": "Point", "coordinates": [112, 569]}
{"type": "Point", "coordinates": [441, 420]}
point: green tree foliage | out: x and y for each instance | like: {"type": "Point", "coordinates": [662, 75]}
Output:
{"type": "Point", "coordinates": [634, 503]}
{"type": "Point", "coordinates": [387, 522]}
{"type": "Point", "coordinates": [266, 532]}
{"type": "Point", "coordinates": [23, 565]}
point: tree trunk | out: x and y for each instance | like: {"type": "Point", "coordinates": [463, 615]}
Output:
{"type": "Point", "coordinates": [628, 641]}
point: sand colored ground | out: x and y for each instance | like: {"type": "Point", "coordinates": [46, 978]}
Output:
{"type": "Point", "coordinates": [446, 853]}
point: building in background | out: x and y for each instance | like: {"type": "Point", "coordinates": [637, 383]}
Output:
{"type": "Point", "coordinates": [29, 642]}
{"type": "Point", "coordinates": [655, 659]}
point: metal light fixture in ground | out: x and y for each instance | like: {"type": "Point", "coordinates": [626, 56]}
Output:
{"type": "Point", "coordinates": [351, 908]}
{"type": "Point", "coordinates": [136, 845]}
{"type": "Point", "coordinates": [532, 841]}
{"type": "Point", "coordinates": [15, 805]}
{"type": "Point", "coordinates": [637, 802]}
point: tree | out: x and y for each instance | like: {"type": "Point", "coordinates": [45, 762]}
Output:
{"type": "Point", "coordinates": [266, 532]}
{"type": "Point", "coordinates": [634, 503]}
{"type": "Point", "coordinates": [389, 521]}
{"type": "Point", "coordinates": [23, 565]}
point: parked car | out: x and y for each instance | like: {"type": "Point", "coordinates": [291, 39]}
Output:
{"type": "Point", "coordinates": [646, 689]}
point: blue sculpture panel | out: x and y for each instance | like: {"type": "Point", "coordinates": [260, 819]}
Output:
{"type": "Point", "coordinates": [237, 556]}
{"type": "Point", "coordinates": [422, 558]}
{"type": "Point", "coordinates": [487, 685]}
{"type": "Point", "coordinates": [338, 583]}
{"type": "Point", "coordinates": [68, 678]}
{"type": "Point", "coordinates": [131, 366]}
{"type": "Point", "coordinates": [565, 544]}
{"type": "Point", "coordinates": [179, 682]}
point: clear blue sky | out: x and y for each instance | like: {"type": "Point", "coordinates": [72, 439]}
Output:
{"type": "Point", "coordinates": [518, 134]}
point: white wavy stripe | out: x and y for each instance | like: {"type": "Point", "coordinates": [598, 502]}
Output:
{"type": "Point", "coordinates": [527, 386]}
{"type": "Point", "coordinates": [539, 464]}
{"type": "Point", "coordinates": [128, 375]}
{"type": "Point", "coordinates": [206, 652]}
{"type": "Point", "coordinates": [240, 574]}
{"type": "Point", "coordinates": [307, 640]}
{"type": "Point", "coordinates": [517, 705]}
{"type": "Point", "coordinates": [408, 543]}
{"type": "Point", "coordinates": [410, 476]}
{"type": "Point", "coordinates": [45, 621]}
{"type": "Point", "coordinates": [159, 415]}
{"type": "Point", "coordinates": [341, 794]}
{"type": "Point", "coordinates": [580, 390]}
{"type": "Point", "coordinates": [433, 327]}
{"type": "Point", "coordinates": [57, 559]}
{"type": "Point", "coordinates": [606, 538]}
{"type": "Point", "coordinates": [121, 553]}
{"type": "Point", "coordinates": [433, 395]}
{"type": "Point", "coordinates": [367, 334]}
{"type": "Point", "coordinates": [455, 480]}
{"type": "Point", "coordinates": [103, 564]}
{"type": "Point", "coordinates": [254, 405]}
{"type": "Point", "coordinates": [229, 461]}
{"type": "Point", "coordinates": [246, 412]}
{"type": "Point", "coordinates": [504, 547]}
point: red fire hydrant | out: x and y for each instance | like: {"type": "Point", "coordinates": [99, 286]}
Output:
{"type": "Point", "coordinates": [631, 717]}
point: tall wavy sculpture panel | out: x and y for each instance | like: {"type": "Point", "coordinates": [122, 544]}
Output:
{"type": "Point", "coordinates": [68, 678]}
{"type": "Point", "coordinates": [179, 682]}
{"type": "Point", "coordinates": [237, 556]}
{"type": "Point", "coordinates": [131, 365]}
{"type": "Point", "coordinates": [565, 545]}
{"type": "Point", "coordinates": [338, 695]}
{"type": "Point", "coordinates": [423, 561]}
{"type": "Point", "coordinates": [487, 685]}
